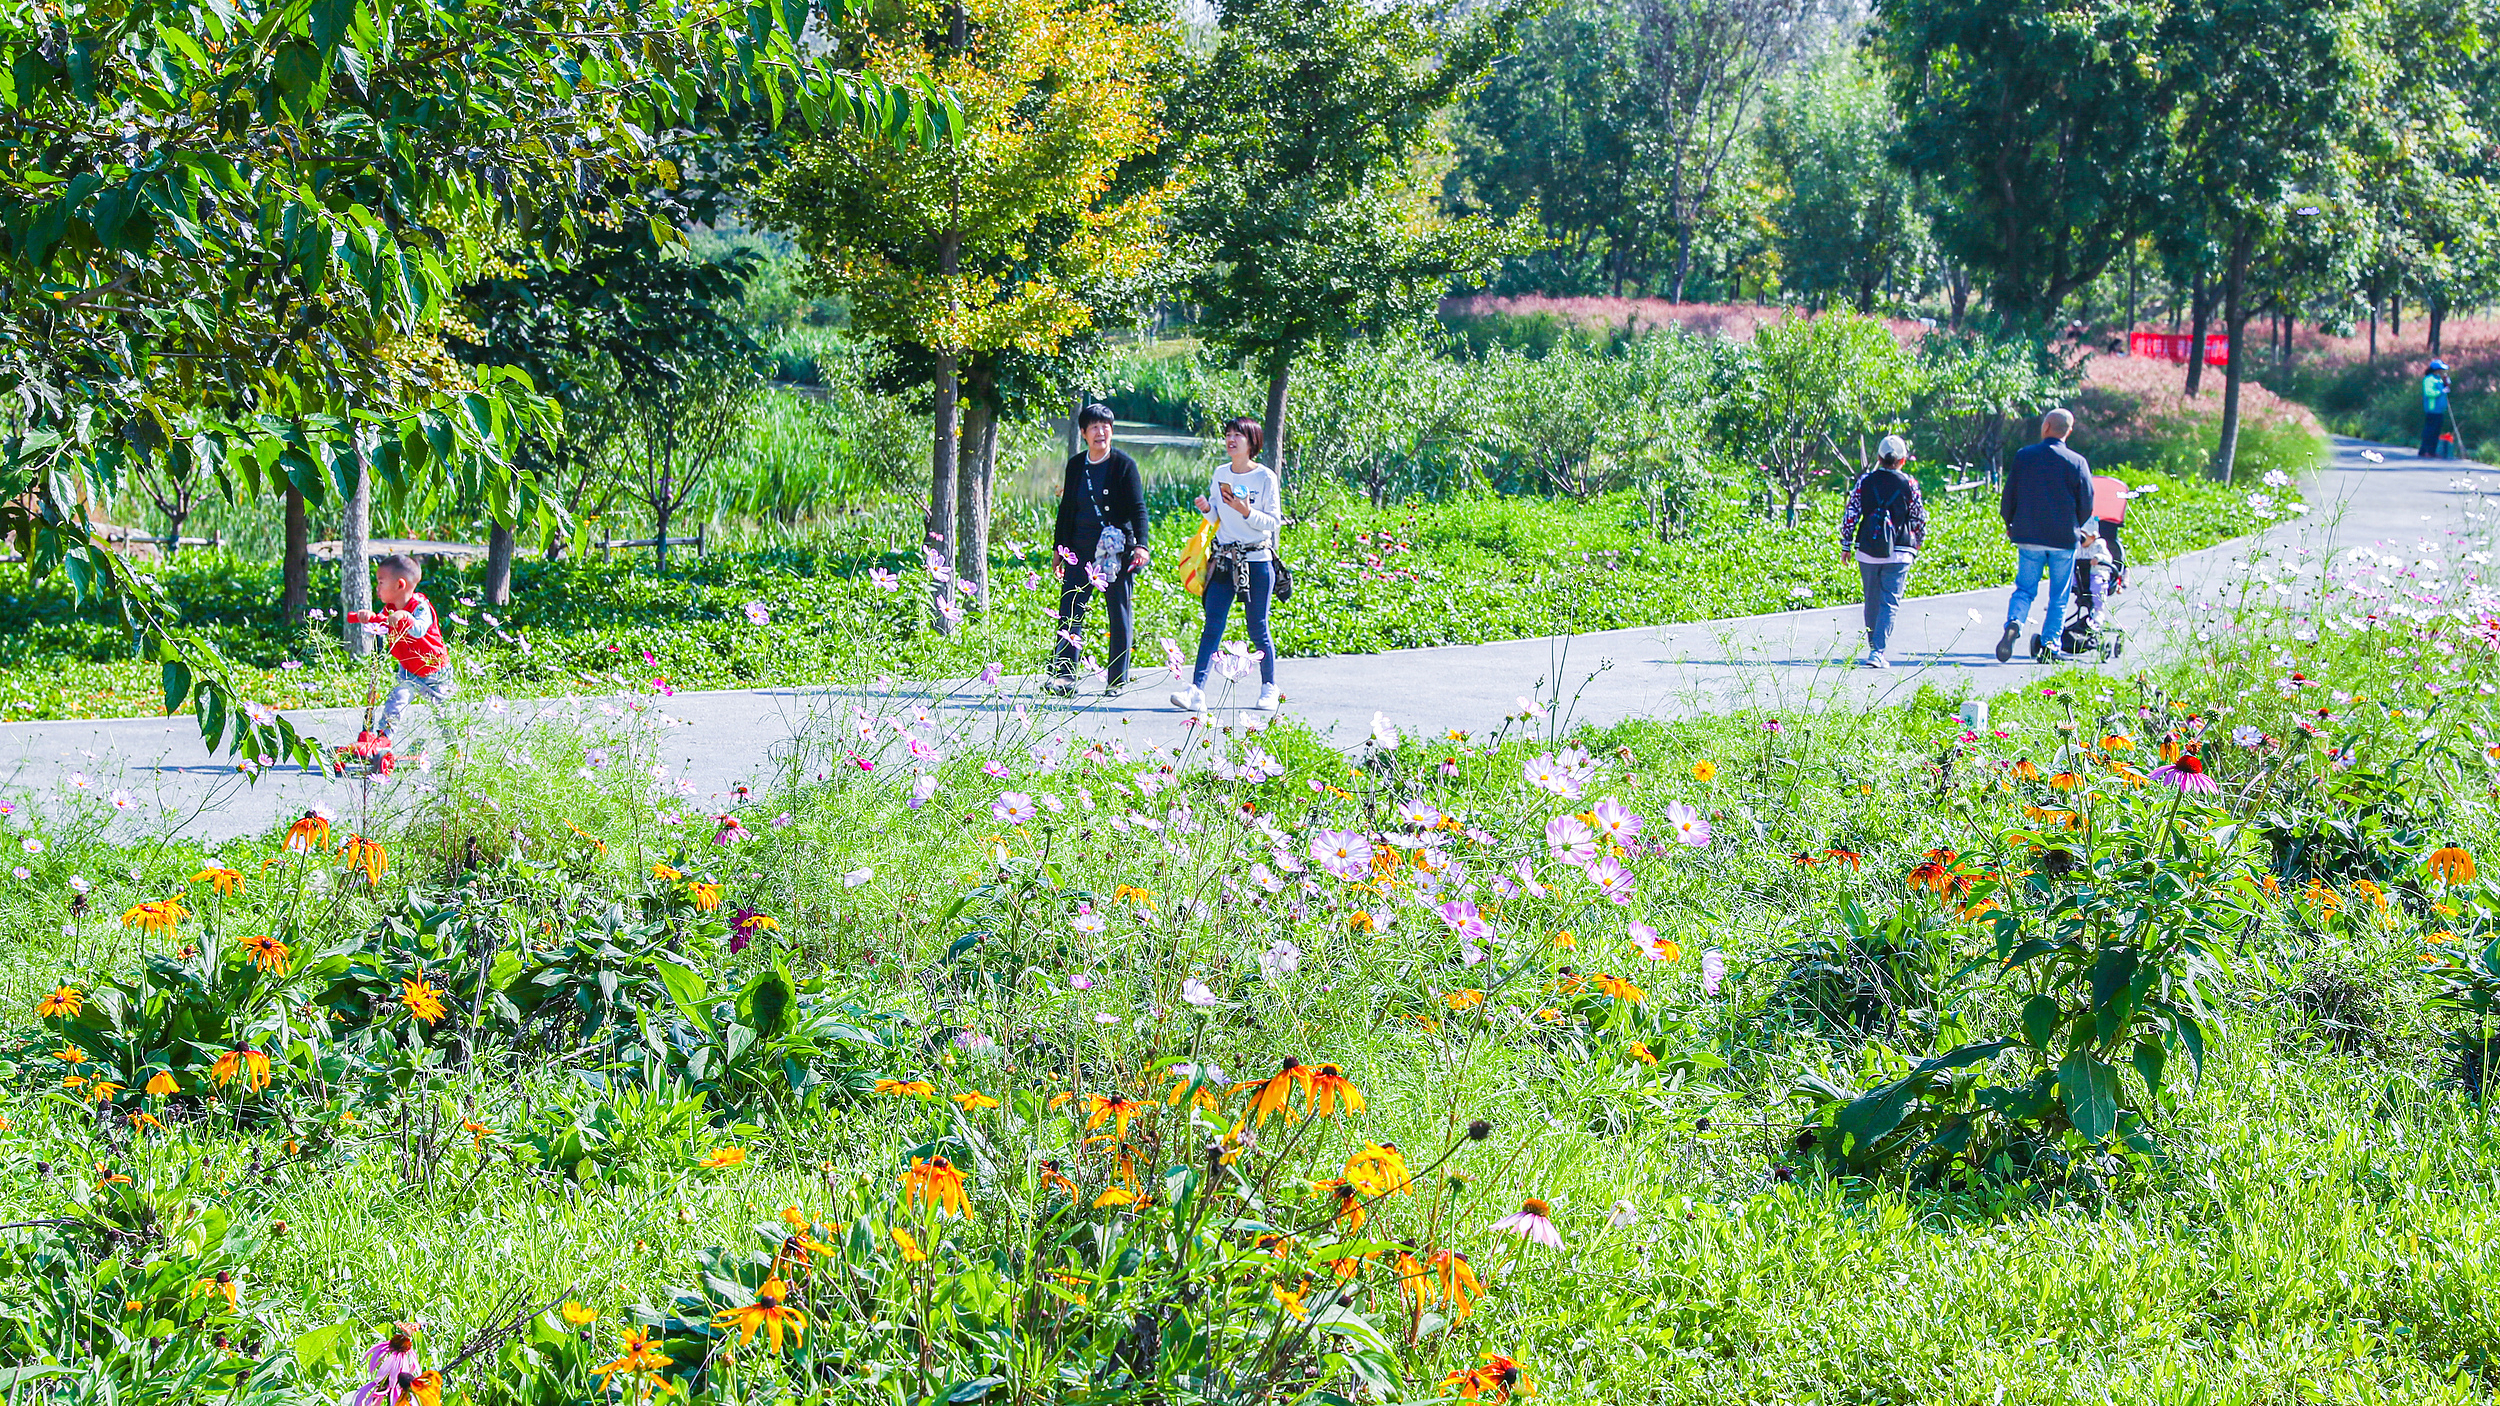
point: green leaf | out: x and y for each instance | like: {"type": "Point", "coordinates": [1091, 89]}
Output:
{"type": "Point", "coordinates": [2041, 1017]}
{"type": "Point", "coordinates": [686, 987]}
{"type": "Point", "coordinates": [319, 1348]}
{"type": "Point", "coordinates": [2089, 1085]}
{"type": "Point", "coordinates": [296, 72]}
{"type": "Point", "coordinates": [177, 684]}
{"type": "Point", "coordinates": [2151, 1056]}
{"type": "Point", "coordinates": [330, 20]}
{"type": "Point", "coordinates": [1874, 1115]}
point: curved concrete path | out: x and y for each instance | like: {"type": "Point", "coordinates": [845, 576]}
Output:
{"type": "Point", "coordinates": [707, 744]}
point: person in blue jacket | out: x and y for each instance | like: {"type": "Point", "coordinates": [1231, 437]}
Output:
{"type": "Point", "coordinates": [2046, 501]}
{"type": "Point", "coordinates": [2434, 406]}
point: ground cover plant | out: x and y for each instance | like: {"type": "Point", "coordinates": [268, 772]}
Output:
{"type": "Point", "coordinates": [2128, 1047]}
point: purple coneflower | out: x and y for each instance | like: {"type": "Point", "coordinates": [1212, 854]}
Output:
{"type": "Point", "coordinates": [1533, 1223]}
{"type": "Point", "coordinates": [2188, 774]}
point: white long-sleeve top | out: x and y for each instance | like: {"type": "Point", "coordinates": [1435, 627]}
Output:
{"type": "Point", "coordinates": [1259, 526]}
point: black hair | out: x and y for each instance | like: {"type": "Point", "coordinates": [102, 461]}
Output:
{"type": "Point", "coordinates": [1095, 414]}
{"type": "Point", "coordinates": [1250, 431]}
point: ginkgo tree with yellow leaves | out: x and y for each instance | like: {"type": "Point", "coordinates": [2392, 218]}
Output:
{"type": "Point", "coordinates": [1009, 240]}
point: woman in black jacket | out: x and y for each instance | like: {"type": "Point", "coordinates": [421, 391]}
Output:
{"type": "Point", "coordinates": [1884, 526]}
{"type": "Point", "coordinates": [1100, 542]}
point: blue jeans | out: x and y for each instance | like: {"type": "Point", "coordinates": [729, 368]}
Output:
{"type": "Point", "coordinates": [436, 687]}
{"type": "Point", "coordinates": [1883, 585]}
{"type": "Point", "coordinates": [1220, 608]}
{"type": "Point", "coordinates": [2030, 562]}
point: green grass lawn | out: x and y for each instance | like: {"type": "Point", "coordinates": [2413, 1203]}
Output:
{"type": "Point", "coordinates": [2201, 1132]}
{"type": "Point", "coordinates": [1473, 569]}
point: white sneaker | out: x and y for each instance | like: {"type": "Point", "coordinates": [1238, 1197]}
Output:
{"type": "Point", "coordinates": [1190, 700]}
{"type": "Point", "coordinates": [1269, 698]}
{"type": "Point", "coordinates": [1876, 661]}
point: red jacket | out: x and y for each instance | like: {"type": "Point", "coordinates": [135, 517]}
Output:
{"type": "Point", "coordinates": [416, 635]}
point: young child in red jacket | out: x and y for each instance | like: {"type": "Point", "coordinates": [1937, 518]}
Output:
{"type": "Point", "coordinates": [415, 636]}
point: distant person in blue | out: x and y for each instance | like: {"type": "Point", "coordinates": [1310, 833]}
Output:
{"type": "Point", "coordinates": [2046, 503]}
{"type": "Point", "coordinates": [2434, 406]}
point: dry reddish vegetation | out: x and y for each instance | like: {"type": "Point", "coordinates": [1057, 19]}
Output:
{"type": "Point", "coordinates": [1738, 321]}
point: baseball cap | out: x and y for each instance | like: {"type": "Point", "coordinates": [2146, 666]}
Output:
{"type": "Point", "coordinates": [1893, 447]}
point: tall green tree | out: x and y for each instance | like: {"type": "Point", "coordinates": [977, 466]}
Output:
{"type": "Point", "coordinates": [1004, 241]}
{"type": "Point", "coordinates": [1849, 220]}
{"type": "Point", "coordinates": [1310, 214]}
{"type": "Point", "coordinates": [230, 229]}
{"type": "Point", "coordinates": [2263, 93]}
{"type": "Point", "coordinates": [2042, 129]}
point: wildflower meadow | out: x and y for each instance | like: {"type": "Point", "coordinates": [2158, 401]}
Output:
{"type": "Point", "coordinates": [2129, 1043]}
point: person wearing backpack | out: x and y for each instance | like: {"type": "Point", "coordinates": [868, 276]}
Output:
{"type": "Point", "coordinates": [1884, 526]}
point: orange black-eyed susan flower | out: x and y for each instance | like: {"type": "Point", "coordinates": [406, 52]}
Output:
{"type": "Point", "coordinates": [1267, 1096]}
{"type": "Point", "coordinates": [1456, 1280]}
{"type": "Point", "coordinates": [706, 896]}
{"type": "Point", "coordinates": [249, 1065]}
{"type": "Point", "coordinates": [721, 1159]}
{"type": "Point", "coordinates": [1290, 1300]}
{"type": "Point", "coordinates": [1849, 857]}
{"type": "Point", "coordinates": [160, 1084]}
{"type": "Point", "coordinates": [266, 952]}
{"type": "Point", "coordinates": [367, 856]}
{"type": "Point", "coordinates": [2452, 865]}
{"type": "Point", "coordinates": [2026, 770]}
{"type": "Point", "coordinates": [1497, 1378]}
{"type": "Point", "coordinates": [220, 880]}
{"type": "Point", "coordinates": [934, 1182]}
{"type": "Point", "coordinates": [641, 1356]}
{"type": "Point", "coordinates": [1349, 1202]}
{"type": "Point", "coordinates": [1055, 1179]}
{"type": "Point", "coordinates": [220, 1285]}
{"type": "Point", "coordinates": [905, 1088]}
{"type": "Point", "coordinates": [973, 1100]}
{"type": "Point", "coordinates": [102, 1090]}
{"type": "Point", "coordinates": [423, 999]}
{"type": "Point", "coordinates": [1378, 1169]}
{"type": "Point", "coordinates": [771, 1313]}
{"type": "Point", "coordinates": [1619, 988]}
{"type": "Point", "coordinates": [64, 1001]}
{"type": "Point", "coordinates": [1114, 1110]}
{"type": "Point", "coordinates": [309, 834]}
{"type": "Point", "coordinates": [665, 874]}
{"type": "Point", "coordinates": [1329, 1085]}
{"type": "Point", "coordinates": [1463, 1000]}
{"type": "Point", "coordinates": [156, 916]}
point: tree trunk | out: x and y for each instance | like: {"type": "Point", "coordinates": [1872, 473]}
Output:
{"type": "Point", "coordinates": [2373, 329]}
{"type": "Point", "coordinates": [1076, 441]}
{"type": "Point", "coordinates": [662, 509]}
{"type": "Point", "coordinates": [498, 565]}
{"type": "Point", "coordinates": [975, 455]}
{"type": "Point", "coordinates": [2396, 316]}
{"type": "Point", "coordinates": [2200, 320]}
{"type": "Point", "coordinates": [295, 597]}
{"type": "Point", "coordinates": [173, 533]}
{"type": "Point", "coordinates": [355, 574]}
{"type": "Point", "coordinates": [2437, 314]}
{"type": "Point", "coordinates": [2235, 325]}
{"type": "Point", "coordinates": [1279, 387]}
{"type": "Point", "coordinates": [943, 457]}
{"type": "Point", "coordinates": [1959, 282]}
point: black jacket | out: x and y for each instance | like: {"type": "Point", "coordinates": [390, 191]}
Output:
{"type": "Point", "coordinates": [2047, 495]}
{"type": "Point", "coordinates": [1898, 495]}
{"type": "Point", "coordinates": [1109, 494]}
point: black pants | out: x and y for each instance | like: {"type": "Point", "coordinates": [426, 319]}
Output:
{"type": "Point", "coordinates": [2433, 421]}
{"type": "Point", "coordinates": [1075, 590]}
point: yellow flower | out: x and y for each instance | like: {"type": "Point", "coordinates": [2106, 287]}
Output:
{"type": "Point", "coordinates": [1618, 988]}
{"type": "Point", "coordinates": [579, 1316]}
{"type": "Point", "coordinates": [1464, 1000]}
{"type": "Point", "coordinates": [706, 896]}
{"type": "Point", "coordinates": [1378, 1170]}
{"type": "Point", "coordinates": [64, 1001]}
{"type": "Point", "coordinates": [221, 881]}
{"type": "Point", "coordinates": [906, 1088]}
{"type": "Point", "coordinates": [160, 1084]}
{"type": "Point", "coordinates": [770, 1312]}
{"type": "Point", "coordinates": [2451, 865]}
{"type": "Point", "coordinates": [1115, 1196]}
{"type": "Point", "coordinates": [1565, 939]}
{"type": "Point", "coordinates": [1290, 1300]}
{"type": "Point", "coordinates": [70, 1055]}
{"type": "Point", "coordinates": [910, 1247]}
{"type": "Point", "coordinates": [423, 999]}
{"type": "Point", "coordinates": [973, 1101]}
{"type": "Point", "coordinates": [1705, 772]}
{"type": "Point", "coordinates": [1123, 893]}
{"type": "Point", "coordinates": [723, 1158]}
{"type": "Point", "coordinates": [1360, 921]}
{"type": "Point", "coordinates": [933, 1181]}
{"type": "Point", "coordinates": [101, 1090]}
{"type": "Point", "coordinates": [222, 1286]}
{"type": "Point", "coordinates": [1640, 1051]}
{"type": "Point", "coordinates": [665, 874]}
{"type": "Point", "coordinates": [1116, 1111]}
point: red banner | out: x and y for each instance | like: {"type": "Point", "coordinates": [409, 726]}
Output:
{"type": "Point", "coordinates": [2173, 346]}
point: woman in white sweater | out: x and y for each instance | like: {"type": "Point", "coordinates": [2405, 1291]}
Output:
{"type": "Point", "coordinates": [1247, 509]}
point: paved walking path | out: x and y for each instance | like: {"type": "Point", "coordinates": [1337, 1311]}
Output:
{"type": "Point", "coordinates": [712, 742]}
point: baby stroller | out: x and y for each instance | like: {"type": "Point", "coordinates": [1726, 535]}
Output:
{"type": "Point", "coordinates": [2097, 578]}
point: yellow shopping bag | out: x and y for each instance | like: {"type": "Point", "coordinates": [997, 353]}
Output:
{"type": "Point", "coordinates": [1194, 560]}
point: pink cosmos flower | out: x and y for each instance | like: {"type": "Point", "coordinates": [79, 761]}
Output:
{"type": "Point", "coordinates": [1343, 853]}
{"type": "Point", "coordinates": [1615, 821]}
{"type": "Point", "coordinates": [1528, 880]}
{"type": "Point", "coordinates": [1713, 971]}
{"type": "Point", "coordinates": [1547, 774]}
{"type": "Point", "coordinates": [883, 579]}
{"type": "Point", "coordinates": [1419, 814]}
{"type": "Point", "coordinates": [1532, 1222]}
{"type": "Point", "coordinates": [1086, 921]}
{"type": "Point", "coordinates": [1689, 825]}
{"type": "Point", "coordinates": [990, 672]}
{"type": "Point", "coordinates": [1569, 840]}
{"type": "Point", "coordinates": [758, 613]}
{"type": "Point", "coordinates": [1195, 992]}
{"type": "Point", "coordinates": [1013, 808]}
{"type": "Point", "coordinates": [993, 769]}
{"type": "Point", "coordinates": [1646, 938]}
{"type": "Point", "coordinates": [1612, 879]}
{"type": "Point", "coordinates": [1464, 919]}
